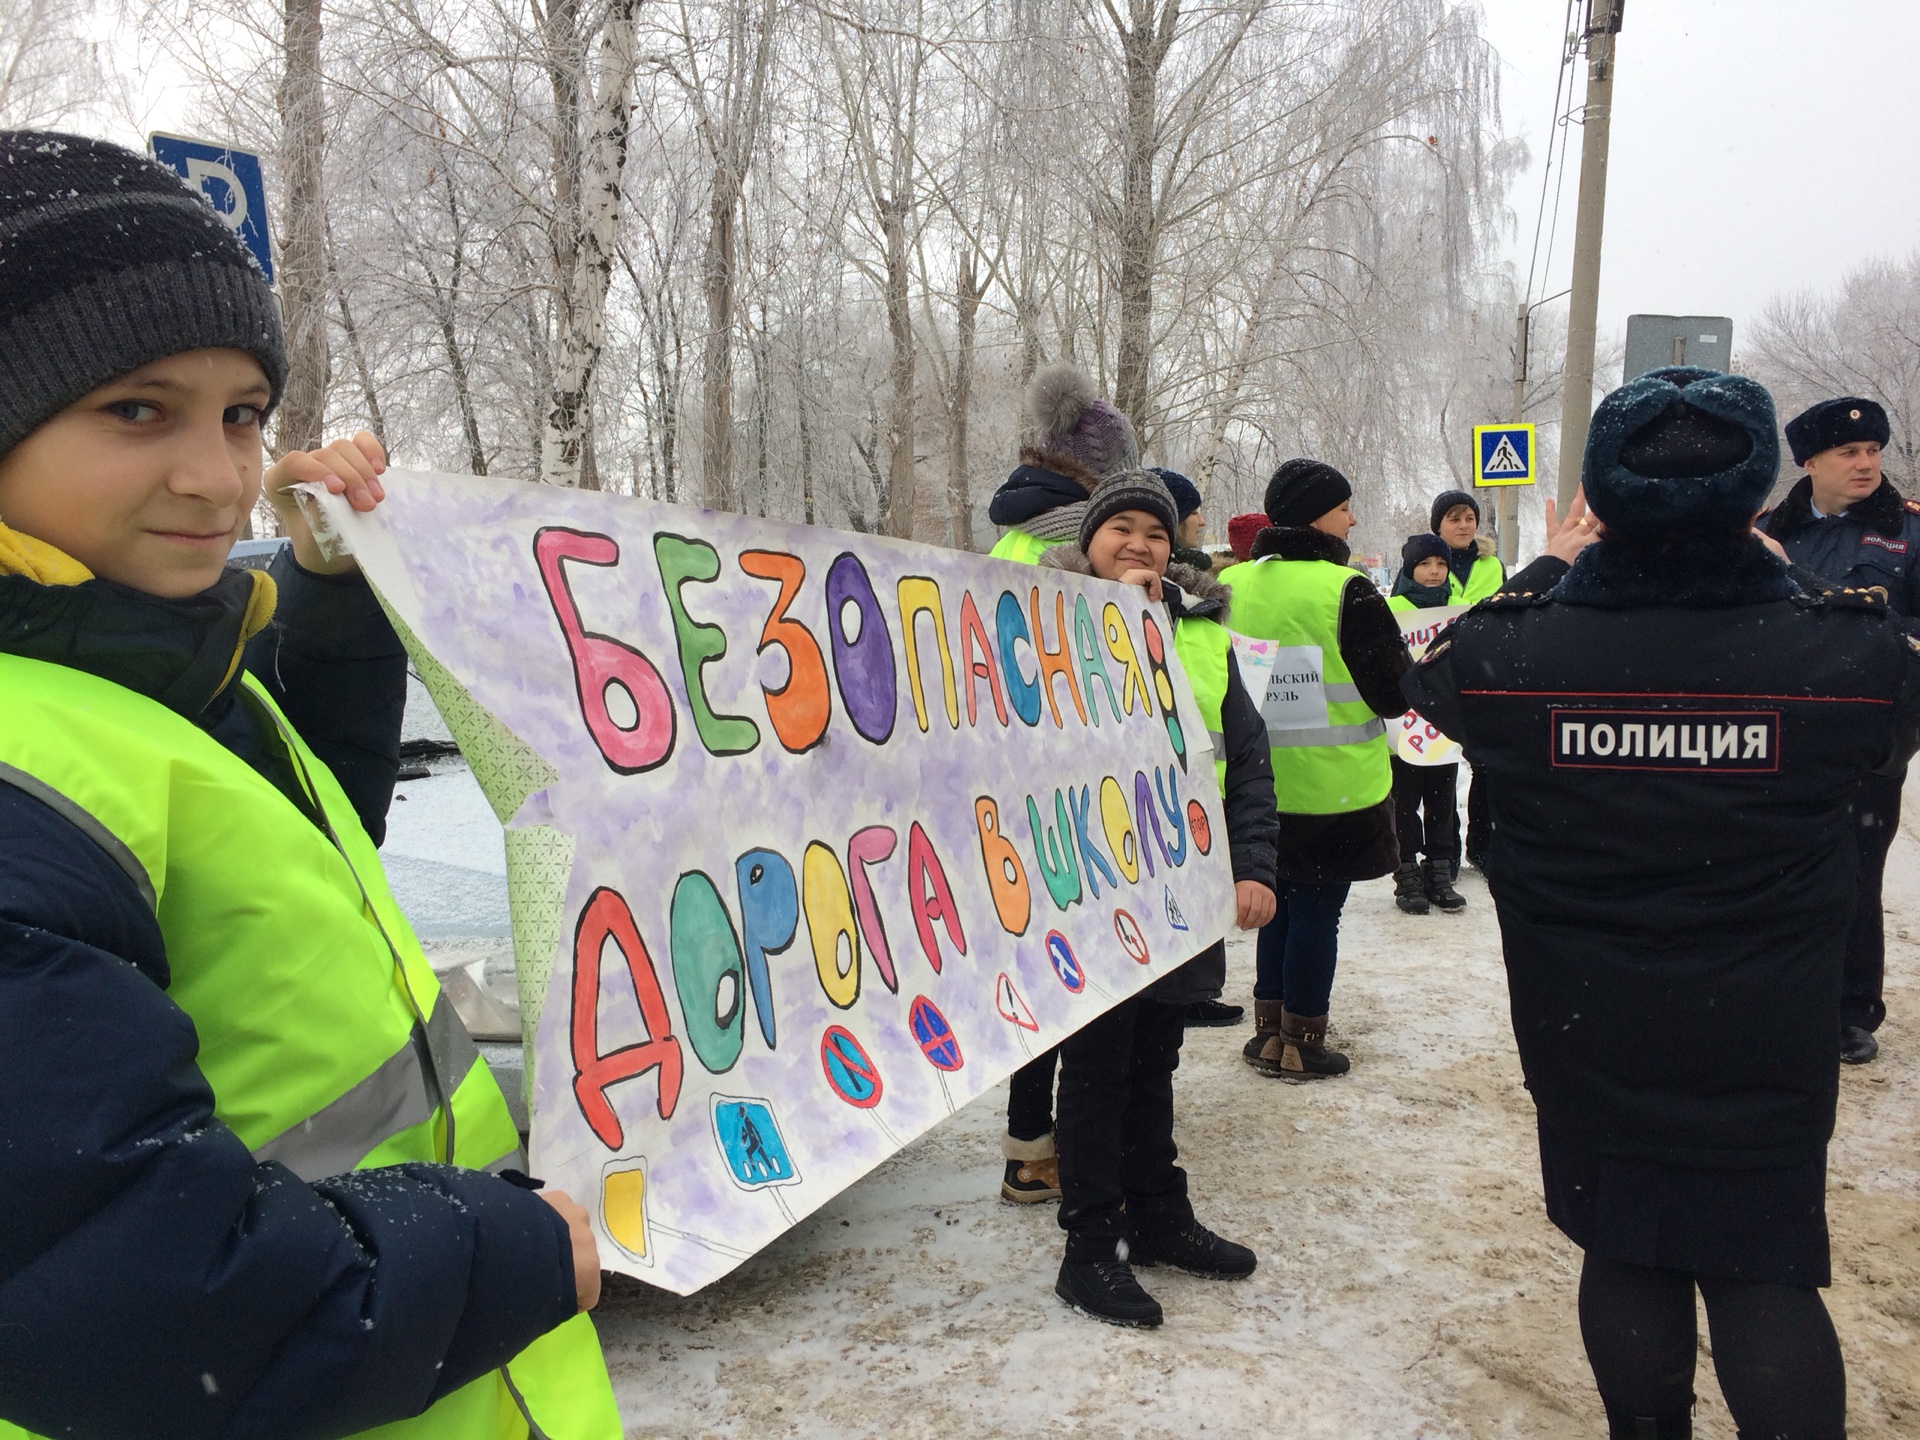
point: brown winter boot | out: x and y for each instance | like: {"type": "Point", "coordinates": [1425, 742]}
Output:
{"type": "Point", "coordinates": [1297, 1050]}
{"type": "Point", "coordinates": [1033, 1170]}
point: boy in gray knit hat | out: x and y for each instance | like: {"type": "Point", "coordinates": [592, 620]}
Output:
{"type": "Point", "coordinates": [234, 1195]}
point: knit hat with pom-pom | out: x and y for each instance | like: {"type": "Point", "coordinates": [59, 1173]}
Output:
{"type": "Point", "coordinates": [1069, 415]}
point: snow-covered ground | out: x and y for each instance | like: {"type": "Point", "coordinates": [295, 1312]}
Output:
{"type": "Point", "coordinates": [1409, 1284]}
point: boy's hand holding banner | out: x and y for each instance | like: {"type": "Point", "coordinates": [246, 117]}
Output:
{"type": "Point", "coordinates": [812, 836]}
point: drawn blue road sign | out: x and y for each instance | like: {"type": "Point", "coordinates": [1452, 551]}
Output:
{"type": "Point", "coordinates": [1065, 963]}
{"type": "Point", "coordinates": [231, 182]}
{"type": "Point", "coordinates": [1503, 455]}
{"type": "Point", "coordinates": [850, 1070]}
{"type": "Point", "coordinates": [936, 1037]}
{"type": "Point", "coordinates": [751, 1143]}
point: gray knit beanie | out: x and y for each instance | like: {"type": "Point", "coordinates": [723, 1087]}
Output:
{"type": "Point", "coordinates": [108, 262]}
{"type": "Point", "coordinates": [1128, 490]}
{"type": "Point", "coordinates": [1069, 415]}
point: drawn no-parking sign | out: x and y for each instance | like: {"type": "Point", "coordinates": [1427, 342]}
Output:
{"type": "Point", "coordinates": [231, 182]}
{"type": "Point", "coordinates": [850, 1070]}
{"type": "Point", "coordinates": [937, 1040]}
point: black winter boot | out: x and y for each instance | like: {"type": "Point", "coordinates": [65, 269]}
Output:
{"type": "Point", "coordinates": [1191, 1247]}
{"type": "Point", "coordinates": [1439, 887]}
{"type": "Point", "coordinates": [1298, 1051]}
{"type": "Point", "coordinates": [1104, 1288]}
{"type": "Point", "coordinates": [1214, 1014]}
{"type": "Point", "coordinates": [1409, 893]}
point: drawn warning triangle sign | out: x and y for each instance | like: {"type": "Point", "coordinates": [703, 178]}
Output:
{"type": "Point", "coordinates": [1011, 1006]}
{"type": "Point", "coordinates": [1505, 460]}
{"type": "Point", "coordinates": [1174, 917]}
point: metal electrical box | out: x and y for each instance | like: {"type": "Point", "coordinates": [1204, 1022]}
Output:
{"type": "Point", "coordinates": [1657, 340]}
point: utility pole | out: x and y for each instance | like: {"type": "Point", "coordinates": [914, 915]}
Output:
{"type": "Point", "coordinates": [1506, 502]}
{"type": "Point", "coordinates": [1576, 403]}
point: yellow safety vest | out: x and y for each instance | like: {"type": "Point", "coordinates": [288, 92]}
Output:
{"type": "Point", "coordinates": [311, 998]}
{"type": "Point", "coordinates": [1330, 752]}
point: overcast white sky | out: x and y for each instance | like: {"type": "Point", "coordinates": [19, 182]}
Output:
{"type": "Point", "coordinates": [1758, 146]}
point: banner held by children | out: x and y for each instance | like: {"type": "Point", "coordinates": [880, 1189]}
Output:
{"type": "Point", "coordinates": [1414, 740]}
{"type": "Point", "coordinates": [811, 836]}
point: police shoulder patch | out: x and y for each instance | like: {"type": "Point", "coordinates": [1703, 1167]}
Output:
{"type": "Point", "coordinates": [1513, 600]}
{"type": "Point", "coordinates": [1852, 597]}
{"type": "Point", "coordinates": [1912, 506]}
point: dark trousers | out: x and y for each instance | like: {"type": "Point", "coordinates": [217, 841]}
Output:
{"type": "Point", "coordinates": [1115, 1132]}
{"type": "Point", "coordinates": [1479, 823]}
{"type": "Point", "coordinates": [1428, 788]}
{"type": "Point", "coordinates": [1878, 814]}
{"type": "Point", "coordinates": [1294, 959]}
{"type": "Point", "coordinates": [1774, 1351]}
{"type": "Point", "coordinates": [1030, 1098]}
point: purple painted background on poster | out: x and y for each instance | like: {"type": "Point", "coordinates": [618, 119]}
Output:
{"type": "Point", "coordinates": [859, 826]}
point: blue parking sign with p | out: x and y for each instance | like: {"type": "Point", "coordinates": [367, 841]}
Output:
{"type": "Point", "coordinates": [1503, 455]}
{"type": "Point", "coordinates": [230, 181]}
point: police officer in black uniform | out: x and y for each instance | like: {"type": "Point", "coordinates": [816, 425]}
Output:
{"type": "Point", "coordinates": [1846, 522]}
{"type": "Point", "coordinates": [1672, 732]}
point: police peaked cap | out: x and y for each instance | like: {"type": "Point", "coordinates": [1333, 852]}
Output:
{"type": "Point", "coordinates": [1681, 450]}
{"type": "Point", "coordinates": [1836, 422]}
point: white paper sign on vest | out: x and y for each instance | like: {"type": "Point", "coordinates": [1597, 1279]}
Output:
{"type": "Point", "coordinates": [1414, 740]}
{"type": "Point", "coordinates": [1290, 681]}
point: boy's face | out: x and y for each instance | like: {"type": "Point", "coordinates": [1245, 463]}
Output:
{"type": "Point", "coordinates": [1458, 525]}
{"type": "Point", "coordinates": [1430, 571]}
{"type": "Point", "coordinates": [1131, 540]}
{"type": "Point", "coordinates": [148, 480]}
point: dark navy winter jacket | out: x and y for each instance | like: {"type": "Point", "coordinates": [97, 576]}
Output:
{"type": "Point", "coordinates": [1876, 544]}
{"type": "Point", "coordinates": [155, 1281]}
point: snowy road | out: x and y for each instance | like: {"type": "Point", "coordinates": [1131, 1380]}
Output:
{"type": "Point", "coordinates": [1409, 1283]}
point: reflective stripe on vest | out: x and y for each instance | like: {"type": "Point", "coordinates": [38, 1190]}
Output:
{"type": "Point", "coordinates": [1340, 764]}
{"type": "Point", "coordinates": [1203, 646]}
{"type": "Point", "coordinates": [323, 1032]}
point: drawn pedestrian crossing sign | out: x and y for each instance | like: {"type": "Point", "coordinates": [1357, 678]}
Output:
{"type": "Point", "coordinates": [1503, 455]}
{"type": "Point", "coordinates": [751, 1142]}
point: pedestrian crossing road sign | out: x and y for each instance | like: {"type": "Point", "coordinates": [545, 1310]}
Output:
{"type": "Point", "coordinates": [1503, 455]}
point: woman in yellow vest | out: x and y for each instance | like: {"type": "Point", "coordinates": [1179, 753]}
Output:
{"type": "Point", "coordinates": [1327, 682]}
{"type": "Point", "coordinates": [245, 1141]}
{"type": "Point", "coordinates": [1124, 1199]}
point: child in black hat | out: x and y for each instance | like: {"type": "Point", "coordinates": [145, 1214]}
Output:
{"type": "Point", "coordinates": [1429, 791]}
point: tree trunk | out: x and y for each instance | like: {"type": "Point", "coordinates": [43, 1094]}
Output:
{"type": "Point", "coordinates": [716, 411]}
{"type": "Point", "coordinates": [587, 217]}
{"type": "Point", "coordinates": [1144, 49]}
{"type": "Point", "coordinates": [902, 476]}
{"type": "Point", "coordinates": [302, 273]}
{"type": "Point", "coordinates": [968, 289]}
{"type": "Point", "coordinates": [376, 422]}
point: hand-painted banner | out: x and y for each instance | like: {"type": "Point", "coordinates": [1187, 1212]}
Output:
{"type": "Point", "coordinates": [1414, 740]}
{"type": "Point", "coordinates": [812, 836]}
